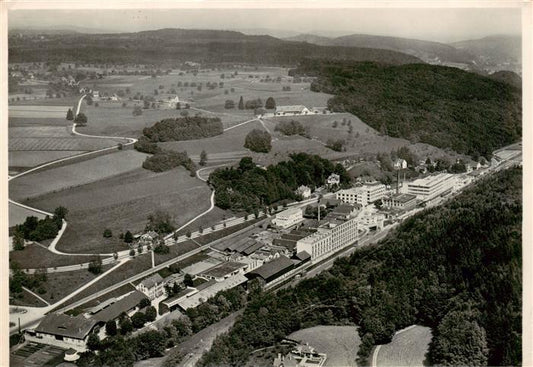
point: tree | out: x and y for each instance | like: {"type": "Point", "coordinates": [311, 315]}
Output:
{"type": "Point", "coordinates": [126, 326]}
{"type": "Point", "coordinates": [70, 115]}
{"type": "Point", "coordinates": [18, 241]}
{"type": "Point", "coordinates": [150, 314]}
{"type": "Point", "coordinates": [145, 302]}
{"type": "Point", "coordinates": [203, 158]}
{"type": "Point", "coordinates": [258, 141]}
{"type": "Point", "coordinates": [241, 104]}
{"type": "Point", "coordinates": [150, 344]}
{"type": "Point", "coordinates": [107, 233]}
{"type": "Point", "coordinates": [111, 328]}
{"type": "Point", "coordinates": [229, 104]}
{"type": "Point", "coordinates": [93, 342]}
{"type": "Point", "coordinates": [187, 280]}
{"type": "Point", "coordinates": [270, 103]}
{"type": "Point", "coordinates": [128, 237]}
{"type": "Point", "coordinates": [138, 320]}
{"type": "Point", "coordinates": [160, 222]}
{"type": "Point", "coordinates": [81, 119]}
{"type": "Point", "coordinates": [95, 266]}
{"type": "Point", "coordinates": [137, 111]}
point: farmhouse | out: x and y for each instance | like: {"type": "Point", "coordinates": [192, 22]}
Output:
{"type": "Point", "coordinates": [149, 236]}
{"type": "Point", "coordinates": [291, 110]}
{"type": "Point", "coordinates": [152, 286]}
{"type": "Point", "coordinates": [288, 218]}
{"type": "Point", "coordinates": [62, 331]}
{"type": "Point", "coordinates": [172, 103]}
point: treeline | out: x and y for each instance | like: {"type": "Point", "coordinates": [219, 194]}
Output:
{"type": "Point", "coordinates": [165, 160]}
{"type": "Point", "coordinates": [35, 229]}
{"type": "Point", "coordinates": [168, 46]}
{"type": "Point", "coordinates": [291, 127]}
{"type": "Point", "coordinates": [441, 106]}
{"type": "Point", "coordinates": [249, 187]}
{"type": "Point", "coordinates": [183, 128]}
{"type": "Point", "coordinates": [455, 268]}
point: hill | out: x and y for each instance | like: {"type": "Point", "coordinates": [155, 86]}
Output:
{"type": "Point", "coordinates": [442, 106]}
{"type": "Point", "coordinates": [508, 77]}
{"type": "Point", "coordinates": [172, 46]}
{"type": "Point", "coordinates": [495, 52]}
{"type": "Point", "coordinates": [430, 52]}
{"type": "Point", "coordinates": [455, 268]}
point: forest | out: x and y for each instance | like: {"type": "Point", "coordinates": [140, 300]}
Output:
{"type": "Point", "coordinates": [442, 106]}
{"type": "Point", "coordinates": [455, 268]}
{"type": "Point", "coordinates": [174, 46]}
{"type": "Point", "coordinates": [183, 128]}
{"type": "Point", "coordinates": [249, 187]}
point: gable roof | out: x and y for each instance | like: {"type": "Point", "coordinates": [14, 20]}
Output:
{"type": "Point", "coordinates": [297, 108]}
{"type": "Point", "coordinates": [273, 267]}
{"type": "Point", "coordinates": [68, 326]}
{"type": "Point", "coordinates": [123, 305]}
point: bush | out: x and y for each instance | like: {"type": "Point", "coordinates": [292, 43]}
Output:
{"type": "Point", "coordinates": [186, 128]}
{"type": "Point", "coordinates": [258, 141]}
{"type": "Point", "coordinates": [107, 233]}
{"type": "Point", "coordinates": [165, 160]}
{"type": "Point", "coordinates": [292, 127]}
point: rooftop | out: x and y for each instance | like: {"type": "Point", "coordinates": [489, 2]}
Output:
{"type": "Point", "coordinates": [290, 108]}
{"type": "Point", "coordinates": [152, 280]}
{"type": "Point", "coordinates": [221, 270]}
{"type": "Point", "coordinates": [123, 305]}
{"type": "Point", "coordinates": [403, 198]}
{"type": "Point", "coordinates": [273, 267]}
{"type": "Point", "coordinates": [290, 211]}
{"type": "Point", "coordinates": [214, 287]}
{"type": "Point", "coordinates": [68, 326]}
{"type": "Point", "coordinates": [431, 180]}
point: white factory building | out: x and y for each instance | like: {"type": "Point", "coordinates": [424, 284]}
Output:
{"type": "Point", "coordinates": [332, 235]}
{"type": "Point", "coordinates": [288, 218]}
{"type": "Point", "coordinates": [430, 187]}
{"type": "Point", "coordinates": [362, 195]}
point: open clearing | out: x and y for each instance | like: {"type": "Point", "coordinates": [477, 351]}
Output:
{"type": "Point", "coordinates": [407, 348]}
{"type": "Point", "coordinates": [38, 111]}
{"type": "Point", "coordinates": [123, 203]}
{"type": "Point", "coordinates": [25, 159]}
{"type": "Point", "coordinates": [35, 257]}
{"type": "Point", "coordinates": [18, 214]}
{"type": "Point", "coordinates": [340, 343]}
{"type": "Point", "coordinates": [70, 175]}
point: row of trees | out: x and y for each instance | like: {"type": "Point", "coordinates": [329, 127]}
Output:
{"type": "Point", "coordinates": [249, 187]}
{"type": "Point", "coordinates": [35, 229]}
{"type": "Point", "coordinates": [455, 268]}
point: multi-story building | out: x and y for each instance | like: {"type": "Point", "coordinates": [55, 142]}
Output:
{"type": "Point", "coordinates": [152, 286]}
{"type": "Point", "coordinates": [330, 237]}
{"type": "Point", "coordinates": [362, 195]}
{"type": "Point", "coordinates": [288, 218]}
{"type": "Point", "coordinates": [400, 201]}
{"type": "Point", "coordinates": [430, 187]}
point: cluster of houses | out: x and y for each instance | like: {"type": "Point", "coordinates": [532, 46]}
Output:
{"type": "Point", "coordinates": [302, 355]}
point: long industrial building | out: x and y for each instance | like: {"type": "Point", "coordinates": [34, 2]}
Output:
{"type": "Point", "coordinates": [428, 188]}
{"type": "Point", "coordinates": [362, 195]}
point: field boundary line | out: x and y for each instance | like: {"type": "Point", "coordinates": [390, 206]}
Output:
{"type": "Point", "coordinates": [241, 123]}
{"type": "Point", "coordinates": [36, 296]}
{"type": "Point", "coordinates": [378, 347]}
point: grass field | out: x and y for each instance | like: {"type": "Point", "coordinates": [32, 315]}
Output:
{"type": "Point", "coordinates": [38, 111]}
{"type": "Point", "coordinates": [24, 159]}
{"type": "Point", "coordinates": [35, 256]}
{"type": "Point", "coordinates": [55, 179]}
{"type": "Point", "coordinates": [18, 214]}
{"type": "Point", "coordinates": [27, 299]}
{"type": "Point", "coordinates": [407, 348]}
{"type": "Point", "coordinates": [29, 121]}
{"type": "Point", "coordinates": [123, 203]}
{"type": "Point", "coordinates": [340, 343]}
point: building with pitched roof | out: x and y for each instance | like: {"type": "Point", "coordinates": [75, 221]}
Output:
{"type": "Point", "coordinates": [127, 304]}
{"type": "Point", "coordinates": [291, 110]}
{"type": "Point", "coordinates": [62, 331]}
{"type": "Point", "coordinates": [271, 270]}
{"type": "Point", "coordinates": [153, 286]}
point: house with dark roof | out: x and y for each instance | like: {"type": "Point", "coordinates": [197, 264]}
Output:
{"type": "Point", "coordinates": [126, 304]}
{"type": "Point", "coordinates": [62, 331]}
{"type": "Point", "coordinates": [153, 286]}
{"type": "Point", "coordinates": [271, 270]}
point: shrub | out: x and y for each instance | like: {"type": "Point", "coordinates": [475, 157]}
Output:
{"type": "Point", "coordinates": [258, 141]}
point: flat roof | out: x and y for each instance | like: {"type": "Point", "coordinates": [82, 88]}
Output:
{"type": "Point", "coordinates": [290, 211]}
{"type": "Point", "coordinates": [431, 180]}
{"type": "Point", "coordinates": [175, 299]}
{"type": "Point", "coordinates": [402, 198]}
{"type": "Point", "coordinates": [206, 293]}
{"type": "Point", "coordinates": [221, 270]}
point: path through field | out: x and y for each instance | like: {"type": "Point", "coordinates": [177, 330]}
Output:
{"type": "Point", "coordinates": [407, 348]}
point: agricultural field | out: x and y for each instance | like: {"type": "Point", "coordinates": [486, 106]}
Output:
{"type": "Point", "coordinates": [36, 111]}
{"type": "Point", "coordinates": [27, 299]}
{"type": "Point", "coordinates": [24, 159]}
{"type": "Point", "coordinates": [71, 175]}
{"type": "Point", "coordinates": [407, 348]}
{"type": "Point", "coordinates": [18, 214]}
{"type": "Point", "coordinates": [35, 257]}
{"type": "Point", "coordinates": [340, 343]}
{"type": "Point", "coordinates": [122, 203]}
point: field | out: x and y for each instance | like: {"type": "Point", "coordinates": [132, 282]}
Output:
{"type": "Point", "coordinates": [27, 299]}
{"type": "Point", "coordinates": [407, 348]}
{"type": "Point", "coordinates": [18, 214]}
{"type": "Point", "coordinates": [24, 159]}
{"type": "Point", "coordinates": [35, 257]}
{"type": "Point", "coordinates": [340, 343]}
{"type": "Point", "coordinates": [122, 203]}
{"type": "Point", "coordinates": [56, 179]}
{"type": "Point", "coordinates": [37, 111]}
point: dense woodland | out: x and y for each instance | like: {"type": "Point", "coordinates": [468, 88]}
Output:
{"type": "Point", "coordinates": [441, 106]}
{"type": "Point", "coordinates": [183, 128]}
{"type": "Point", "coordinates": [171, 46]}
{"type": "Point", "coordinates": [455, 268]}
{"type": "Point", "coordinates": [249, 187]}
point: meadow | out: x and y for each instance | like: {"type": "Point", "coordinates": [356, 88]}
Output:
{"type": "Point", "coordinates": [20, 160]}
{"type": "Point", "coordinates": [407, 348]}
{"type": "Point", "coordinates": [122, 203]}
{"type": "Point", "coordinates": [340, 343]}
{"type": "Point", "coordinates": [35, 257]}
{"type": "Point", "coordinates": [18, 214]}
{"type": "Point", "coordinates": [36, 111]}
{"type": "Point", "coordinates": [71, 175]}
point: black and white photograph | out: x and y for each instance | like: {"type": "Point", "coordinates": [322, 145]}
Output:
{"type": "Point", "coordinates": [266, 184]}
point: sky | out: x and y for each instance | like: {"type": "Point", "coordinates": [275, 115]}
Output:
{"type": "Point", "coordinates": [433, 24]}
